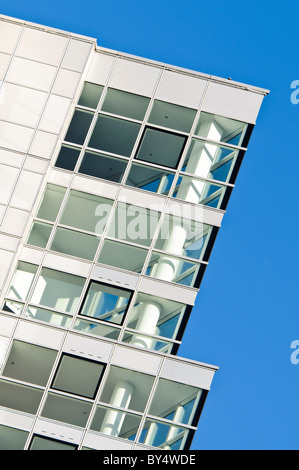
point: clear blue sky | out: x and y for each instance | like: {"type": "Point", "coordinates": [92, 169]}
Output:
{"type": "Point", "coordinates": [247, 310]}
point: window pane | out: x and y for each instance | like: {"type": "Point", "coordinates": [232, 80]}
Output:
{"type": "Point", "coordinates": [66, 409]}
{"type": "Point", "coordinates": [163, 435]}
{"type": "Point", "coordinates": [96, 329]}
{"type": "Point", "coordinates": [114, 135]}
{"type": "Point", "coordinates": [150, 179]}
{"type": "Point", "coordinates": [199, 191]}
{"type": "Point", "coordinates": [22, 281]}
{"type": "Point", "coordinates": [125, 104]}
{"type": "Point", "coordinates": [90, 95]}
{"type": "Point", "coordinates": [79, 126]}
{"type": "Point", "coordinates": [161, 147]}
{"type": "Point", "coordinates": [74, 243]}
{"type": "Point", "coordinates": [12, 439]}
{"type": "Point", "coordinates": [221, 129]}
{"type": "Point", "coordinates": [29, 363]}
{"type": "Point", "coordinates": [148, 342]}
{"type": "Point", "coordinates": [19, 397]}
{"type": "Point", "coordinates": [86, 211]}
{"type": "Point", "coordinates": [58, 290]}
{"type": "Point", "coordinates": [12, 307]}
{"type": "Point", "coordinates": [106, 302]}
{"type": "Point", "coordinates": [51, 202]}
{"type": "Point", "coordinates": [48, 316]}
{"type": "Point", "coordinates": [67, 157]}
{"type": "Point", "coordinates": [39, 234]}
{"type": "Point", "coordinates": [171, 269]}
{"type": "Point", "coordinates": [172, 116]}
{"type": "Point", "coordinates": [78, 376]}
{"type": "Point", "coordinates": [103, 166]}
{"type": "Point", "coordinates": [44, 443]}
{"type": "Point", "coordinates": [122, 256]}
{"type": "Point", "coordinates": [115, 423]}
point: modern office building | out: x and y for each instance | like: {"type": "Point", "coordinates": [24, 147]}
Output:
{"type": "Point", "coordinates": [115, 174]}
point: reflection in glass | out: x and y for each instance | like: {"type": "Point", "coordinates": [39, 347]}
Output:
{"type": "Point", "coordinates": [221, 129]}
{"type": "Point", "coordinates": [199, 191]}
{"type": "Point", "coordinates": [48, 316]}
{"type": "Point", "coordinates": [22, 281]}
{"type": "Point", "coordinates": [171, 269]}
{"type": "Point", "coordinates": [12, 307]}
{"type": "Point", "coordinates": [51, 202]}
{"type": "Point", "coordinates": [90, 95]}
{"type": "Point", "coordinates": [96, 329]}
{"type": "Point", "coordinates": [39, 235]}
{"type": "Point", "coordinates": [163, 435]}
{"type": "Point", "coordinates": [150, 179]}
{"type": "Point", "coordinates": [115, 423]}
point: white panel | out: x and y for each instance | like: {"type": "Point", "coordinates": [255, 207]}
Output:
{"type": "Point", "coordinates": [43, 144]}
{"type": "Point", "coordinates": [191, 374]}
{"type": "Point", "coordinates": [69, 265]}
{"type": "Point", "coordinates": [8, 243]}
{"type": "Point", "coordinates": [100, 68]}
{"type": "Point", "coordinates": [105, 443]}
{"type": "Point", "coordinates": [76, 55]}
{"type": "Point", "coordinates": [58, 431]}
{"type": "Point", "coordinates": [55, 114]}
{"type": "Point", "coordinates": [21, 105]}
{"type": "Point", "coordinates": [141, 198]}
{"type": "Point", "coordinates": [87, 347]}
{"type": "Point", "coordinates": [42, 335]}
{"type": "Point", "coordinates": [32, 74]}
{"type": "Point", "coordinates": [136, 360]}
{"type": "Point", "coordinates": [9, 33]}
{"type": "Point", "coordinates": [181, 89]}
{"type": "Point", "coordinates": [16, 420]}
{"type": "Point", "coordinates": [167, 291]}
{"type": "Point", "coordinates": [93, 186]}
{"type": "Point", "coordinates": [31, 255]}
{"type": "Point", "coordinates": [6, 258]}
{"type": "Point", "coordinates": [11, 158]}
{"type": "Point", "coordinates": [15, 137]}
{"type": "Point", "coordinates": [59, 177]}
{"type": "Point", "coordinates": [116, 277]}
{"type": "Point", "coordinates": [232, 102]}
{"type": "Point", "coordinates": [4, 342]}
{"type": "Point", "coordinates": [195, 212]}
{"type": "Point", "coordinates": [8, 176]}
{"type": "Point", "coordinates": [26, 190]}
{"type": "Point", "coordinates": [66, 83]}
{"type": "Point", "coordinates": [15, 221]}
{"type": "Point", "coordinates": [7, 325]}
{"type": "Point", "coordinates": [134, 77]}
{"type": "Point", "coordinates": [36, 164]}
{"type": "Point", "coordinates": [41, 46]}
{"type": "Point", "coordinates": [4, 60]}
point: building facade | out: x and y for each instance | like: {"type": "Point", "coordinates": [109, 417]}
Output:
{"type": "Point", "coordinates": [115, 174]}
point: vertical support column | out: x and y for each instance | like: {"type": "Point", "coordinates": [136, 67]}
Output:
{"type": "Point", "coordinates": [114, 419]}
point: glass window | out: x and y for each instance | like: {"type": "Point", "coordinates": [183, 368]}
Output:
{"type": "Point", "coordinates": [97, 329]}
{"type": "Point", "coordinates": [163, 435]}
{"type": "Point", "coordinates": [171, 269]}
{"type": "Point", "coordinates": [12, 439]}
{"type": "Point", "coordinates": [66, 409]}
{"type": "Point", "coordinates": [12, 307]}
{"type": "Point", "coordinates": [79, 126]}
{"type": "Point", "coordinates": [125, 104]}
{"type": "Point", "coordinates": [19, 397]}
{"type": "Point", "coordinates": [172, 116]}
{"type": "Point", "coordinates": [51, 202]}
{"type": "Point", "coordinates": [106, 302]}
{"type": "Point", "coordinates": [115, 423]}
{"type": "Point", "coordinates": [199, 191]}
{"type": "Point", "coordinates": [39, 235]}
{"type": "Point", "coordinates": [74, 243]}
{"type": "Point", "coordinates": [44, 443]}
{"type": "Point", "coordinates": [148, 342]}
{"type": "Point", "coordinates": [175, 401]}
{"type": "Point", "coordinates": [127, 389]}
{"type": "Point", "coordinates": [67, 157]}
{"type": "Point", "coordinates": [78, 376]}
{"type": "Point", "coordinates": [150, 179]}
{"type": "Point", "coordinates": [22, 281]}
{"type": "Point", "coordinates": [90, 95]}
{"type": "Point", "coordinates": [134, 224]}
{"type": "Point", "coordinates": [103, 166]}
{"type": "Point", "coordinates": [48, 316]}
{"type": "Point", "coordinates": [161, 147]}
{"type": "Point", "coordinates": [114, 135]}
{"type": "Point", "coordinates": [220, 129]}
{"type": "Point", "coordinates": [122, 256]}
{"type": "Point", "coordinates": [58, 290]}
{"type": "Point", "coordinates": [29, 363]}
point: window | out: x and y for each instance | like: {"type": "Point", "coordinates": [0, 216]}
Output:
{"type": "Point", "coordinates": [45, 443]}
{"type": "Point", "coordinates": [221, 129]}
{"type": "Point", "coordinates": [106, 303]}
{"type": "Point", "coordinates": [90, 95]}
{"type": "Point", "coordinates": [79, 126]}
{"type": "Point", "coordinates": [22, 281]}
{"type": "Point", "coordinates": [163, 435]}
{"type": "Point", "coordinates": [115, 423]}
{"type": "Point", "coordinates": [19, 397]}
{"type": "Point", "coordinates": [172, 116]}
{"type": "Point", "coordinates": [171, 269]}
{"type": "Point", "coordinates": [103, 166]}
{"type": "Point", "coordinates": [121, 255]}
{"type": "Point", "coordinates": [78, 376]}
{"type": "Point", "coordinates": [67, 157]}
{"type": "Point", "coordinates": [51, 202]}
{"type": "Point", "coordinates": [199, 191]}
{"type": "Point", "coordinates": [125, 104]}
{"type": "Point", "coordinates": [12, 439]}
{"type": "Point", "coordinates": [151, 179]}
{"type": "Point", "coordinates": [66, 409]}
{"type": "Point", "coordinates": [75, 243]}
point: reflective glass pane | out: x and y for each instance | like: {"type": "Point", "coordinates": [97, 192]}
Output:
{"type": "Point", "coordinates": [221, 129]}
{"type": "Point", "coordinates": [106, 302]}
{"type": "Point", "coordinates": [163, 435]}
{"type": "Point", "coordinates": [125, 104]}
{"type": "Point", "coordinates": [172, 116]}
{"type": "Point", "coordinates": [48, 316]}
{"type": "Point", "coordinates": [12, 439]}
{"type": "Point", "coordinates": [79, 126]}
{"type": "Point", "coordinates": [19, 397]}
{"type": "Point", "coordinates": [103, 166]}
{"type": "Point", "coordinates": [22, 281]}
{"type": "Point", "coordinates": [90, 95]}
{"type": "Point", "coordinates": [96, 329]}
{"type": "Point", "coordinates": [39, 234]}
{"type": "Point", "coordinates": [74, 243]}
{"type": "Point", "coordinates": [148, 342]}
{"type": "Point", "coordinates": [122, 256]}
{"type": "Point", "coordinates": [171, 269]}
{"type": "Point", "coordinates": [114, 135]}
{"type": "Point", "coordinates": [12, 307]}
{"type": "Point", "coordinates": [58, 290]}
{"type": "Point", "coordinates": [161, 147]}
{"type": "Point", "coordinates": [199, 191]}
{"type": "Point", "coordinates": [44, 443]}
{"type": "Point", "coordinates": [67, 157]}
{"type": "Point", "coordinates": [51, 202]}
{"type": "Point", "coordinates": [66, 409]}
{"type": "Point", "coordinates": [150, 179]}
{"type": "Point", "coordinates": [115, 423]}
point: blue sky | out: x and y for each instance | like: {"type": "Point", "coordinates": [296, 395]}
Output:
{"type": "Point", "coordinates": [246, 316]}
